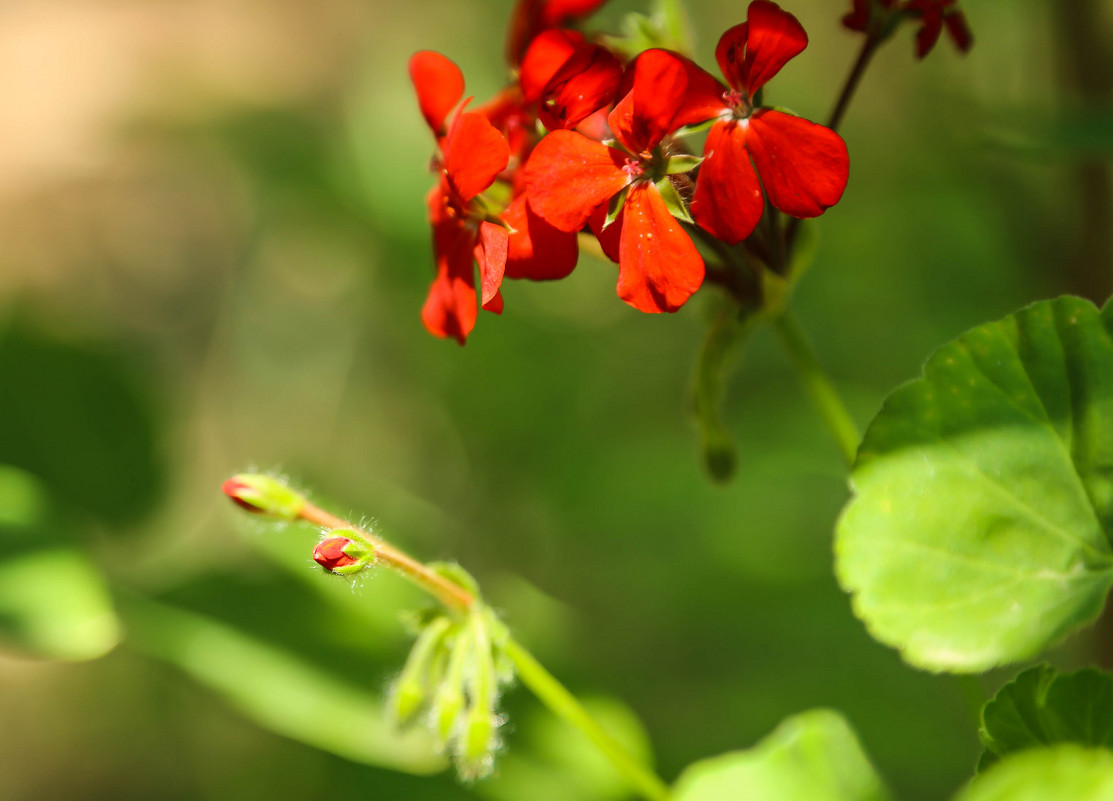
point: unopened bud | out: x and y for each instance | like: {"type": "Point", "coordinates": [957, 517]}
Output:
{"type": "Point", "coordinates": [341, 555]}
{"type": "Point", "coordinates": [264, 495]}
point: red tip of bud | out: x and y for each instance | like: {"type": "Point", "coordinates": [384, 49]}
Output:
{"type": "Point", "coordinates": [236, 490]}
{"type": "Point", "coordinates": [330, 553]}
{"type": "Point", "coordinates": [264, 495]}
{"type": "Point", "coordinates": [341, 555]}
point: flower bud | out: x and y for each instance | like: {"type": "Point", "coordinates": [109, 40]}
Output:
{"type": "Point", "coordinates": [264, 495]}
{"type": "Point", "coordinates": [341, 555]}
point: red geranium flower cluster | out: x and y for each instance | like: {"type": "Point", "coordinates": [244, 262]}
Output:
{"type": "Point", "coordinates": [582, 143]}
{"type": "Point", "coordinates": [877, 18]}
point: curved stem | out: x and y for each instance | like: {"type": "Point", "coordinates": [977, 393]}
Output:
{"type": "Point", "coordinates": [447, 592]}
{"type": "Point", "coordinates": [852, 80]}
{"type": "Point", "coordinates": [819, 387]}
{"type": "Point", "coordinates": [564, 705]}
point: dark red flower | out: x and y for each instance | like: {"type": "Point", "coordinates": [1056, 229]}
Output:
{"type": "Point", "coordinates": [802, 166]}
{"type": "Point", "coordinates": [934, 15]}
{"type": "Point", "coordinates": [571, 177]}
{"type": "Point", "coordinates": [878, 18]}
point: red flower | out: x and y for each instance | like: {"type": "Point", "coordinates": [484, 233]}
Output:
{"type": "Point", "coordinates": [934, 16]}
{"type": "Point", "coordinates": [571, 177]}
{"type": "Point", "coordinates": [473, 153]}
{"type": "Point", "coordinates": [531, 17]}
{"type": "Point", "coordinates": [872, 17]}
{"type": "Point", "coordinates": [803, 166]}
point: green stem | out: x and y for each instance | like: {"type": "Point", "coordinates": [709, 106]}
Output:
{"type": "Point", "coordinates": [564, 705]}
{"type": "Point", "coordinates": [819, 387]}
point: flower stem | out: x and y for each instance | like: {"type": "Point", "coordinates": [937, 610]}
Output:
{"type": "Point", "coordinates": [869, 46]}
{"type": "Point", "coordinates": [532, 674]}
{"type": "Point", "coordinates": [818, 386]}
{"type": "Point", "coordinates": [564, 705]}
{"type": "Point", "coordinates": [447, 592]}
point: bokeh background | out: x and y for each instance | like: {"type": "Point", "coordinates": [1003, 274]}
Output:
{"type": "Point", "coordinates": [213, 253]}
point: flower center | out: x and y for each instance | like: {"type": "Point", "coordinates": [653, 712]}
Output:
{"type": "Point", "coordinates": [633, 169]}
{"type": "Point", "coordinates": [738, 103]}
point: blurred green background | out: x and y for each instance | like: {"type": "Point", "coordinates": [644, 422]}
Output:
{"type": "Point", "coordinates": [214, 257]}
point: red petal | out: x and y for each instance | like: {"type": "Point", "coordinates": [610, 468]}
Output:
{"type": "Point", "coordinates": [658, 268]}
{"type": "Point", "coordinates": [474, 154]}
{"type": "Point", "coordinates": [439, 84]}
{"type": "Point", "coordinates": [450, 309]}
{"type": "Point", "coordinates": [531, 17]}
{"type": "Point", "coordinates": [610, 238]}
{"type": "Point", "coordinates": [569, 175]}
{"type": "Point", "coordinates": [585, 83]}
{"type": "Point", "coordinates": [929, 32]}
{"type": "Point", "coordinates": [959, 30]}
{"type": "Point", "coordinates": [774, 37]}
{"type": "Point", "coordinates": [490, 255]}
{"type": "Point", "coordinates": [537, 250]}
{"type": "Point", "coordinates": [546, 54]}
{"type": "Point", "coordinates": [803, 166]}
{"type": "Point", "coordinates": [704, 98]}
{"type": "Point", "coordinates": [645, 116]}
{"type": "Point", "coordinates": [727, 202]}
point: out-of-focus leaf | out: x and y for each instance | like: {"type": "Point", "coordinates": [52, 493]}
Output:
{"type": "Point", "coordinates": [277, 690]}
{"type": "Point", "coordinates": [1042, 707]}
{"type": "Point", "coordinates": [979, 533]}
{"type": "Point", "coordinates": [547, 760]}
{"type": "Point", "coordinates": [53, 601]}
{"type": "Point", "coordinates": [72, 415]}
{"type": "Point", "coordinates": [814, 756]}
{"type": "Point", "coordinates": [1062, 773]}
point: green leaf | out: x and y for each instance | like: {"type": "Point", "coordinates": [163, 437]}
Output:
{"type": "Point", "coordinates": [1062, 773]}
{"type": "Point", "coordinates": [1041, 707]}
{"type": "Point", "coordinates": [814, 756]}
{"type": "Point", "coordinates": [277, 690]}
{"type": "Point", "coordinates": [979, 533]}
{"type": "Point", "coordinates": [54, 603]}
{"type": "Point", "coordinates": [76, 419]}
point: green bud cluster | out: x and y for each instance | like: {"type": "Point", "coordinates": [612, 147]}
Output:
{"type": "Point", "coordinates": [452, 681]}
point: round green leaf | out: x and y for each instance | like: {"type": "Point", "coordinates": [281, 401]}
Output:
{"type": "Point", "coordinates": [979, 533]}
{"type": "Point", "coordinates": [1042, 707]}
{"type": "Point", "coordinates": [814, 756]}
{"type": "Point", "coordinates": [1062, 773]}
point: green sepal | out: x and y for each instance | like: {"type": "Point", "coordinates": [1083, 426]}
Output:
{"type": "Point", "coordinates": [614, 206]}
{"type": "Point", "coordinates": [421, 674]}
{"type": "Point", "coordinates": [265, 495]}
{"type": "Point", "coordinates": [675, 165]}
{"type": "Point", "coordinates": [673, 202]}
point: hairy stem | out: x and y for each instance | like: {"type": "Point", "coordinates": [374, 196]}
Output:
{"type": "Point", "coordinates": [447, 592]}
{"type": "Point", "coordinates": [565, 706]}
{"type": "Point", "coordinates": [531, 673]}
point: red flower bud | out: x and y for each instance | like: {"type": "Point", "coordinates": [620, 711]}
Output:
{"type": "Point", "coordinates": [341, 555]}
{"type": "Point", "coordinates": [264, 495]}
